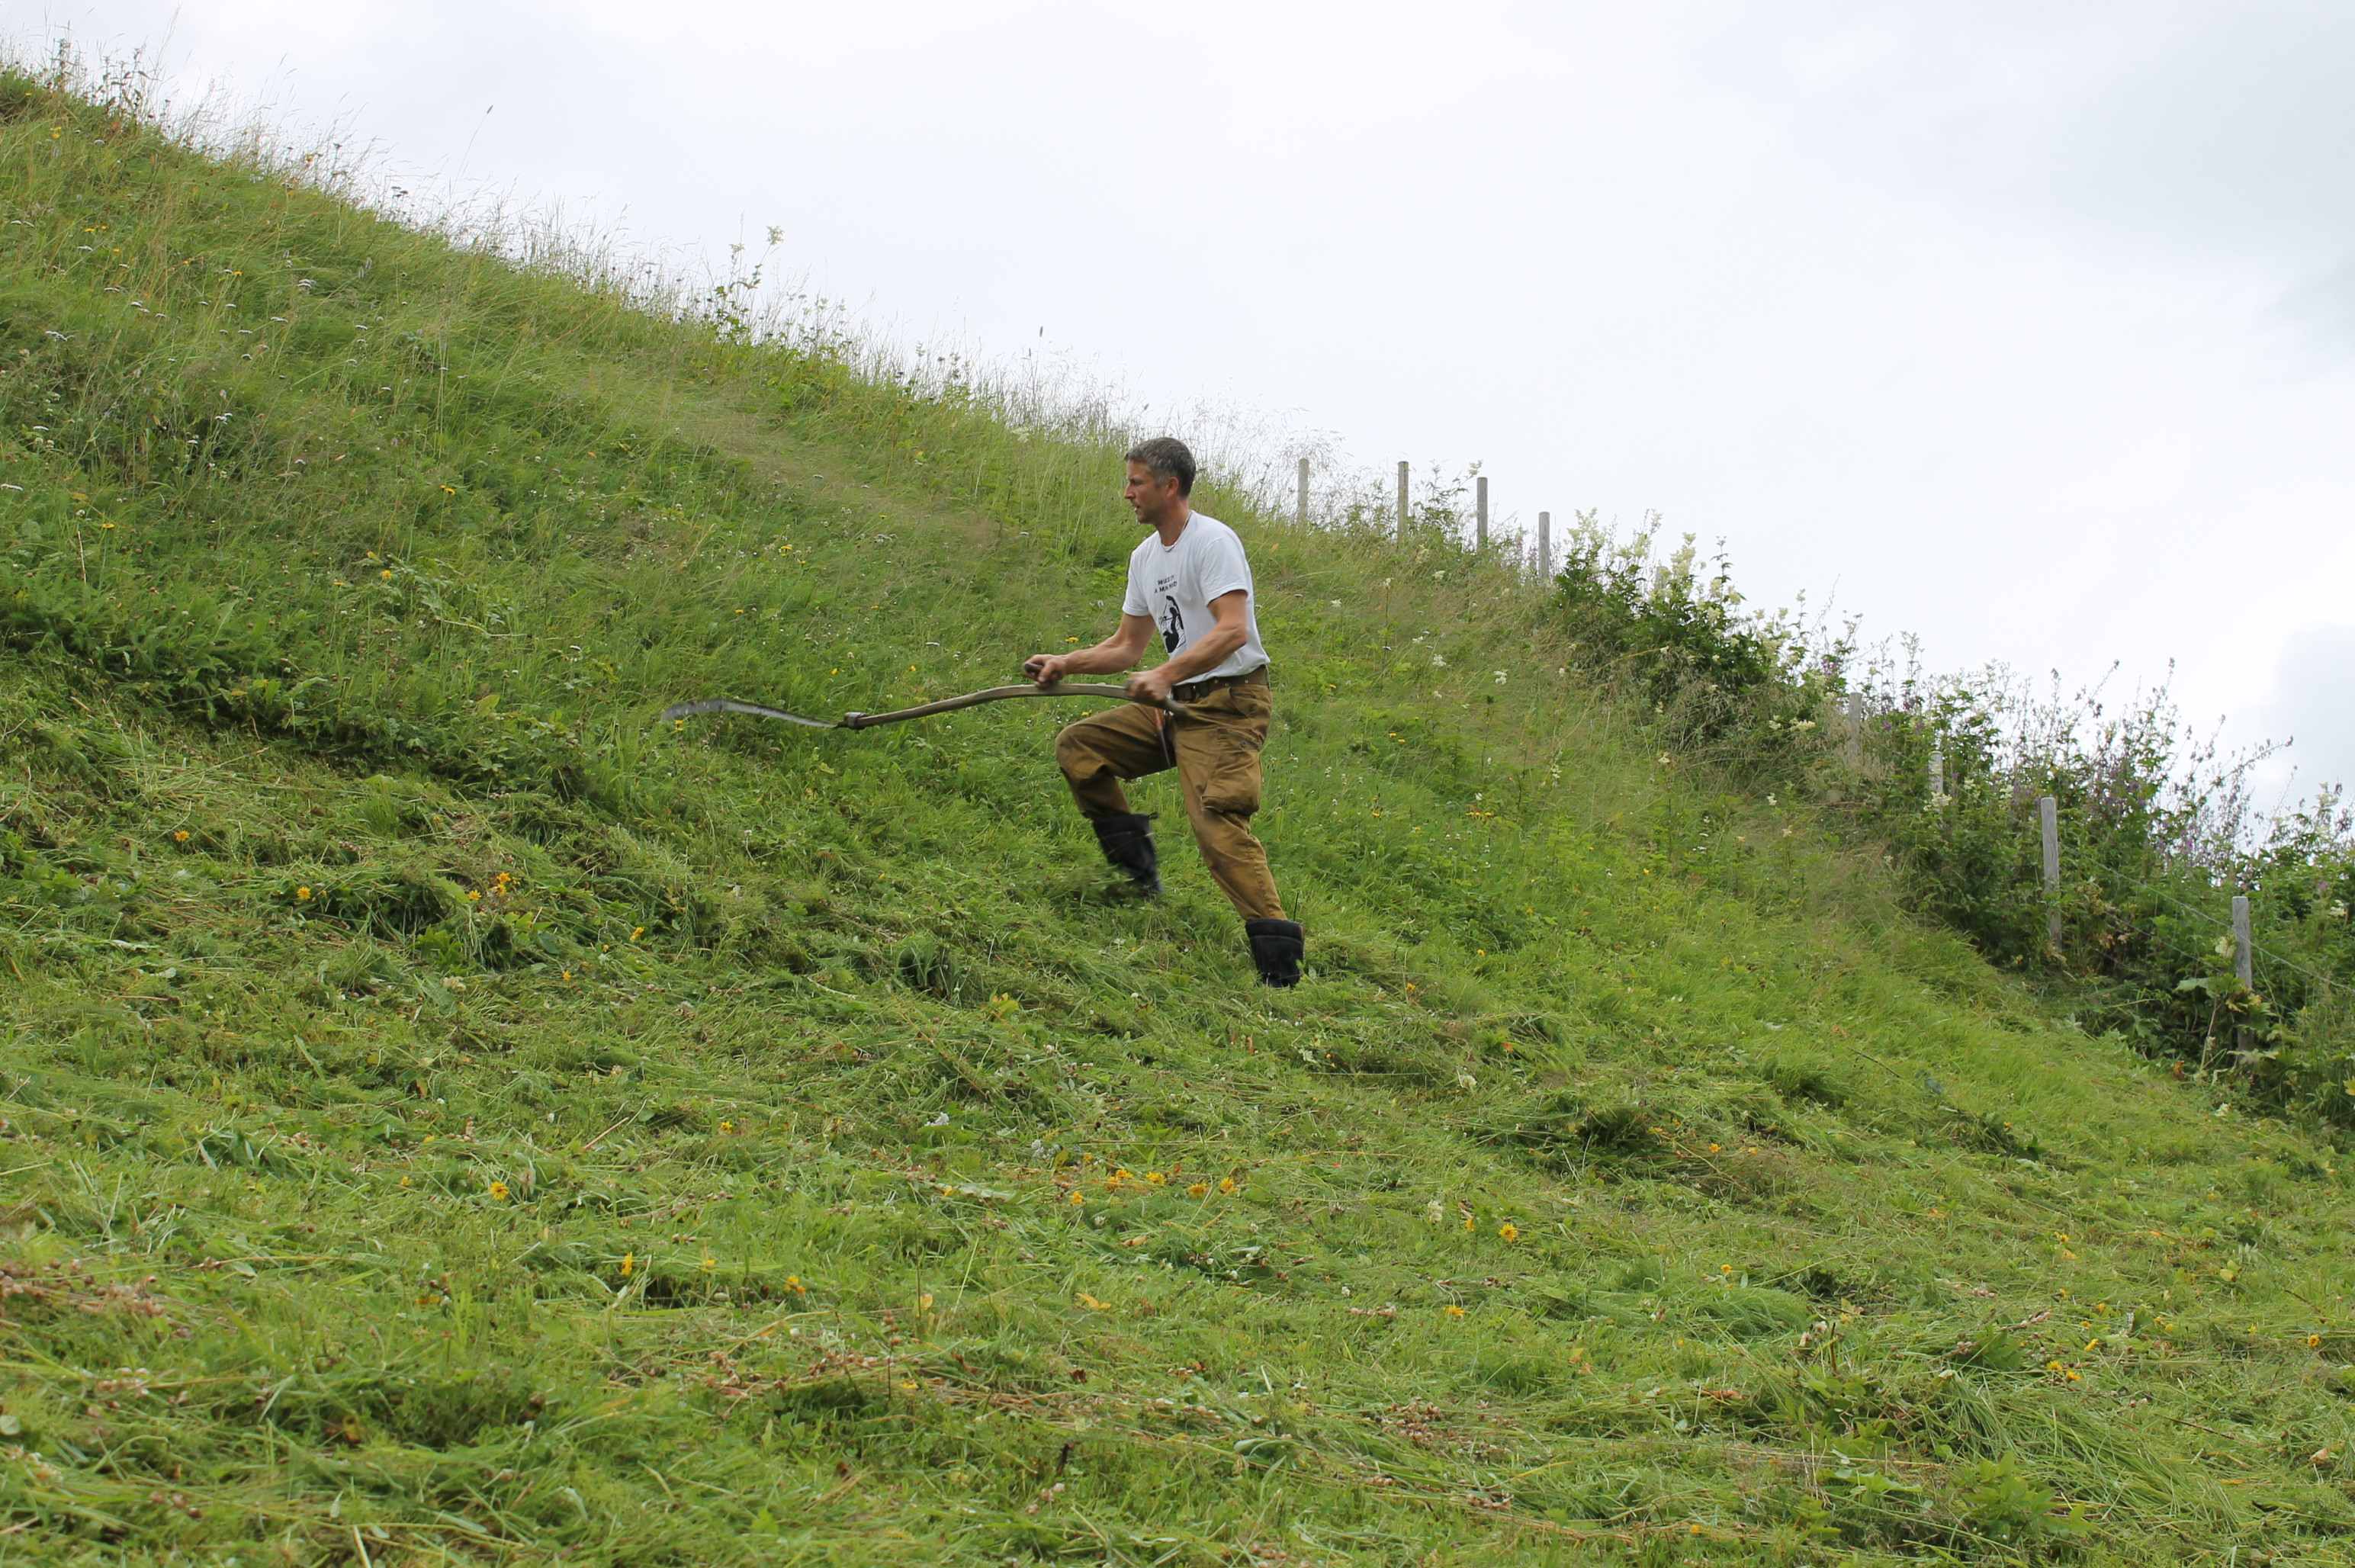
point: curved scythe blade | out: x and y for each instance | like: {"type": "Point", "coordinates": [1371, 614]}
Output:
{"type": "Point", "coordinates": [730, 705]}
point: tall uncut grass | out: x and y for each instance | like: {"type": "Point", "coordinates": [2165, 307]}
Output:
{"type": "Point", "coordinates": [450, 1116]}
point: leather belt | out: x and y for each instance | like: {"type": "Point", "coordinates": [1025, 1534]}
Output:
{"type": "Point", "coordinates": [1195, 690]}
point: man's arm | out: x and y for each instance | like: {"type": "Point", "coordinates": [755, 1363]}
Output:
{"type": "Point", "coordinates": [1226, 634]}
{"type": "Point", "coordinates": [1118, 652]}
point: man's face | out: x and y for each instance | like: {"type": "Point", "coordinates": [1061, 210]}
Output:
{"type": "Point", "coordinates": [1151, 499]}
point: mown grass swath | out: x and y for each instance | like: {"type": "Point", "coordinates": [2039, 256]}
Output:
{"type": "Point", "coordinates": [449, 1117]}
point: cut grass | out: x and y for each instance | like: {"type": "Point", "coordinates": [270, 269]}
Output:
{"type": "Point", "coordinates": [451, 1117]}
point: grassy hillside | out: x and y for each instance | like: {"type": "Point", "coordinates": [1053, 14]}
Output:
{"type": "Point", "coordinates": [449, 1117]}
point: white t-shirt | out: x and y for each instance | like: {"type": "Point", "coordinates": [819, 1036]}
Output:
{"type": "Point", "coordinates": [1174, 584]}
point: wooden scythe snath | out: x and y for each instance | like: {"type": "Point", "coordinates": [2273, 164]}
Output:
{"type": "Point", "coordinates": [1172, 706]}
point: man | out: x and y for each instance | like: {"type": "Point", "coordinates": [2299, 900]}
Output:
{"type": "Point", "coordinates": [1188, 580]}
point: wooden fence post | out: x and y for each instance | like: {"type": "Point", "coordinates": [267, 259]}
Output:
{"type": "Point", "coordinates": [1937, 768]}
{"type": "Point", "coordinates": [2245, 962]}
{"type": "Point", "coordinates": [1545, 547]}
{"type": "Point", "coordinates": [1480, 516]}
{"type": "Point", "coordinates": [2048, 810]}
{"type": "Point", "coordinates": [1303, 492]}
{"type": "Point", "coordinates": [1402, 500]}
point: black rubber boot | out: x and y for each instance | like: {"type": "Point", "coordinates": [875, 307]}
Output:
{"type": "Point", "coordinates": [1276, 947]}
{"type": "Point", "coordinates": [1127, 841]}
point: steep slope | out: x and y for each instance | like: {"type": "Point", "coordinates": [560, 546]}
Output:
{"type": "Point", "coordinates": [450, 1117]}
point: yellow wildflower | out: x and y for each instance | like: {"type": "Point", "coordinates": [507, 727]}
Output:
{"type": "Point", "coordinates": [1509, 1232]}
{"type": "Point", "coordinates": [629, 1263]}
{"type": "Point", "coordinates": [1077, 1199]}
{"type": "Point", "coordinates": [181, 837]}
{"type": "Point", "coordinates": [1199, 1188]}
{"type": "Point", "coordinates": [1226, 1184]}
{"type": "Point", "coordinates": [302, 893]}
{"type": "Point", "coordinates": [1453, 1311]}
{"type": "Point", "coordinates": [499, 1190]}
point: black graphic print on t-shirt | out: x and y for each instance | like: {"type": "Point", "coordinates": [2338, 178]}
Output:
{"type": "Point", "coordinates": [1173, 625]}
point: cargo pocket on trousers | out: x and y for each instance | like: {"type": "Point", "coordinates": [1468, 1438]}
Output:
{"type": "Point", "coordinates": [1233, 785]}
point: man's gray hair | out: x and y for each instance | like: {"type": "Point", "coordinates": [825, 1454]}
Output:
{"type": "Point", "coordinates": [1168, 458]}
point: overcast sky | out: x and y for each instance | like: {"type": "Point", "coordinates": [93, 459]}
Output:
{"type": "Point", "coordinates": [2029, 329]}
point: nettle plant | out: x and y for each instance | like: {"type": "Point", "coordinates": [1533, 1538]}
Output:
{"type": "Point", "coordinates": [1674, 631]}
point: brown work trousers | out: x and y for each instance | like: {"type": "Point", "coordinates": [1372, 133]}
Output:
{"type": "Point", "coordinates": [1216, 746]}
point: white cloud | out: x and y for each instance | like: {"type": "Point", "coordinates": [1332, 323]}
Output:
{"type": "Point", "coordinates": [2313, 697]}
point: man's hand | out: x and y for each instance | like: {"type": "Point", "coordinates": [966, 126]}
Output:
{"type": "Point", "coordinates": [1150, 686]}
{"type": "Point", "coordinates": [1116, 652]}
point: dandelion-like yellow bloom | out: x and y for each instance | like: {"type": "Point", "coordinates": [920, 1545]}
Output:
{"type": "Point", "coordinates": [302, 894]}
{"type": "Point", "coordinates": [1454, 1311]}
{"type": "Point", "coordinates": [499, 1190]}
{"type": "Point", "coordinates": [629, 1263]}
{"type": "Point", "coordinates": [1199, 1188]}
{"type": "Point", "coordinates": [2312, 1341]}
{"type": "Point", "coordinates": [727, 1126]}
{"type": "Point", "coordinates": [794, 1283]}
{"type": "Point", "coordinates": [181, 837]}
{"type": "Point", "coordinates": [1226, 1184]}
{"type": "Point", "coordinates": [1510, 1233]}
